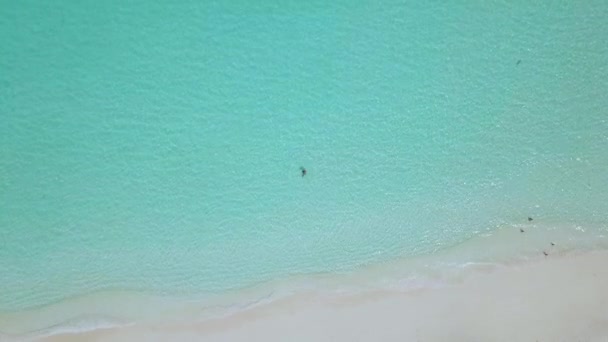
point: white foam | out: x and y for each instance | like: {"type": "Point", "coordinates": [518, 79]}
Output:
{"type": "Point", "coordinates": [73, 326]}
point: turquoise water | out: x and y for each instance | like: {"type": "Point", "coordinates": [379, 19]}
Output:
{"type": "Point", "coordinates": [156, 147]}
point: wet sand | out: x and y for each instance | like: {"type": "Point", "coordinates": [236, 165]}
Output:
{"type": "Point", "coordinates": [553, 298]}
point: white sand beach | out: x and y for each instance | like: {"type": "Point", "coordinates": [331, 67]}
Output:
{"type": "Point", "coordinates": [560, 297]}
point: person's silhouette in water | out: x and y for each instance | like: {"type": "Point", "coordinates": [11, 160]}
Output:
{"type": "Point", "coordinates": [303, 171]}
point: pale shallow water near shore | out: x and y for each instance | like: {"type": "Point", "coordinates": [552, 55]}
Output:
{"type": "Point", "coordinates": [505, 247]}
{"type": "Point", "coordinates": [561, 297]}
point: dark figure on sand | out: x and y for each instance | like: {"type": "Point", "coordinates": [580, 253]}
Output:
{"type": "Point", "coordinates": [521, 230]}
{"type": "Point", "coordinates": [303, 171]}
{"type": "Point", "coordinates": [529, 219]}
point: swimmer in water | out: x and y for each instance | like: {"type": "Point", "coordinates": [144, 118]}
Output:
{"type": "Point", "coordinates": [303, 171]}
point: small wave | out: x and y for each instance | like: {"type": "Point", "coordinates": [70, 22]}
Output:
{"type": "Point", "coordinates": [72, 326]}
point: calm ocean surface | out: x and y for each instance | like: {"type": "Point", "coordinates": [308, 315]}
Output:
{"type": "Point", "coordinates": [156, 147]}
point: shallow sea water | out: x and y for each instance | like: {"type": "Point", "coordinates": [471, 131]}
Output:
{"type": "Point", "coordinates": [155, 148]}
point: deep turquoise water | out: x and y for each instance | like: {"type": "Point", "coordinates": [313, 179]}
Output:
{"type": "Point", "coordinates": [156, 147]}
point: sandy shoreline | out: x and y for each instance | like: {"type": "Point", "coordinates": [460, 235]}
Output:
{"type": "Point", "coordinates": [557, 298]}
